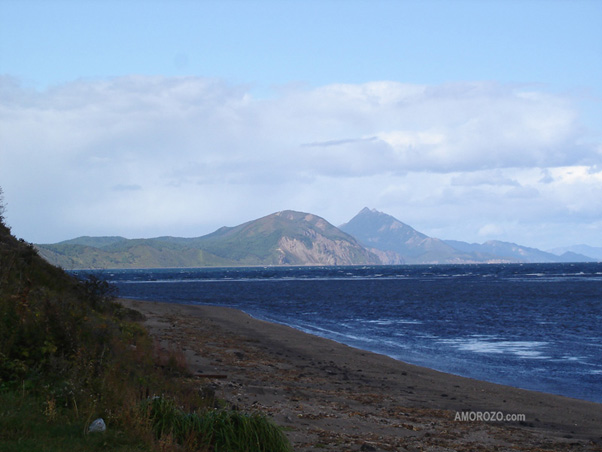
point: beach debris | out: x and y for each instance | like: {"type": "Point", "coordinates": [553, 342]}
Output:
{"type": "Point", "coordinates": [98, 425]}
{"type": "Point", "coordinates": [214, 376]}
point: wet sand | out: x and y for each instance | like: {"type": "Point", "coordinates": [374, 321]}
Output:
{"type": "Point", "coordinates": [332, 397]}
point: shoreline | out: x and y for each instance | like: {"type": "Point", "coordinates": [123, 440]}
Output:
{"type": "Point", "coordinates": [327, 393]}
{"type": "Point", "coordinates": [359, 349]}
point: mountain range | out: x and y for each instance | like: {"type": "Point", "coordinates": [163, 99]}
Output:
{"type": "Point", "coordinates": [297, 238]}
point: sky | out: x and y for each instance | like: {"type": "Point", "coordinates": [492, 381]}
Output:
{"type": "Point", "coordinates": [467, 120]}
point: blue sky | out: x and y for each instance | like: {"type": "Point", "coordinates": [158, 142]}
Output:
{"type": "Point", "coordinates": [470, 120]}
{"type": "Point", "coordinates": [556, 43]}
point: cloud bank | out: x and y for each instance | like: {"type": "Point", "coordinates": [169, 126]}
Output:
{"type": "Point", "coordinates": [144, 156]}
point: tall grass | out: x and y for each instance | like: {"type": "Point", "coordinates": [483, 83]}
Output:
{"type": "Point", "coordinates": [217, 430]}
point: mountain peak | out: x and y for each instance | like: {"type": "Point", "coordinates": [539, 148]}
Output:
{"type": "Point", "coordinates": [369, 211]}
{"type": "Point", "coordinates": [379, 220]}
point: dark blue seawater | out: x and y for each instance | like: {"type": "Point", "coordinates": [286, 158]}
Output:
{"type": "Point", "coordinates": [533, 326]}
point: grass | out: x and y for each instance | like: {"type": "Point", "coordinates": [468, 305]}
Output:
{"type": "Point", "coordinates": [29, 424]}
{"type": "Point", "coordinates": [218, 430]}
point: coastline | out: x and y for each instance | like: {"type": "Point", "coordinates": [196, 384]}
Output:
{"type": "Point", "coordinates": [336, 397]}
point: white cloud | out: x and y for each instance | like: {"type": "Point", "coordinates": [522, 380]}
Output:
{"type": "Point", "coordinates": [153, 155]}
{"type": "Point", "coordinates": [491, 230]}
{"type": "Point", "coordinates": [486, 177]}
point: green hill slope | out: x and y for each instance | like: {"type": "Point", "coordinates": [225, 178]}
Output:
{"type": "Point", "coordinates": [140, 253]}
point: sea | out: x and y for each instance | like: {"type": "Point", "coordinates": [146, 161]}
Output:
{"type": "Point", "coordinates": [532, 326]}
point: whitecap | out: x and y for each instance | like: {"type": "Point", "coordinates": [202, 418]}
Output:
{"type": "Point", "coordinates": [388, 322]}
{"type": "Point", "coordinates": [521, 349]}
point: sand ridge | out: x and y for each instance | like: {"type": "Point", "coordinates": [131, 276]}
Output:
{"type": "Point", "coordinates": [332, 397]}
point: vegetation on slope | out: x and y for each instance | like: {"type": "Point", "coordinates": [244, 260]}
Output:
{"type": "Point", "coordinates": [140, 253]}
{"type": "Point", "coordinates": [70, 354]}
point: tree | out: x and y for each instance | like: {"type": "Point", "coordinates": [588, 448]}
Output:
{"type": "Point", "coordinates": [2, 207]}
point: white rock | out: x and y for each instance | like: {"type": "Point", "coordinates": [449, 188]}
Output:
{"type": "Point", "coordinates": [97, 426]}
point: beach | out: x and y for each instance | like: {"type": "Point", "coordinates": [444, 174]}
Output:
{"type": "Point", "coordinates": [332, 397]}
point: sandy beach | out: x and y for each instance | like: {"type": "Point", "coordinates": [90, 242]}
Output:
{"type": "Point", "coordinates": [332, 397]}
